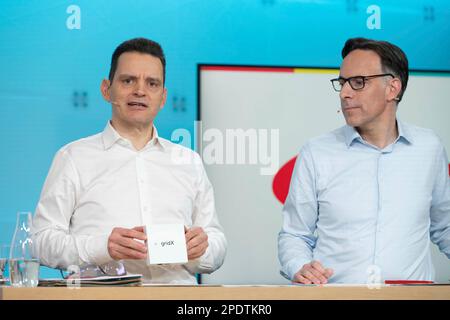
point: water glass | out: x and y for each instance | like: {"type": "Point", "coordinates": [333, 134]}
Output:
{"type": "Point", "coordinates": [4, 257]}
{"type": "Point", "coordinates": [23, 263]}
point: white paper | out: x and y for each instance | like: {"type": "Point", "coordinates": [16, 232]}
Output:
{"type": "Point", "coordinates": [166, 244]}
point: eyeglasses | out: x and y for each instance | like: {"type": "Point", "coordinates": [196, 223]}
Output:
{"type": "Point", "coordinates": [113, 268]}
{"type": "Point", "coordinates": [356, 82]}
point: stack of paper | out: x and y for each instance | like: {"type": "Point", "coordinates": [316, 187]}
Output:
{"type": "Point", "coordinates": [126, 280]}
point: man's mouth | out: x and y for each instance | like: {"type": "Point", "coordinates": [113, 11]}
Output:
{"type": "Point", "coordinates": [137, 104]}
{"type": "Point", "coordinates": [346, 108]}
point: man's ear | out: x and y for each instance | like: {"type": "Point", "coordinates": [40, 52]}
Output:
{"type": "Point", "coordinates": [104, 89]}
{"type": "Point", "coordinates": [164, 99]}
{"type": "Point", "coordinates": [394, 88]}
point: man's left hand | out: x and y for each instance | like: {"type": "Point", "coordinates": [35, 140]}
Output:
{"type": "Point", "coordinates": [196, 242]}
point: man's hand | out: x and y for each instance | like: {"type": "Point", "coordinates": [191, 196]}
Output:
{"type": "Point", "coordinates": [122, 244]}
{"type": "Point", "coordinates": [196, 242]}
{"type": "Point", "coordinates": [313, 273]}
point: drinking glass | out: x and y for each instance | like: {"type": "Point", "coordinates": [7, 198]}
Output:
{"type": "Point", "coordinates": [4, 257]}
{"type": "Point", "coordinates": [23, 264]}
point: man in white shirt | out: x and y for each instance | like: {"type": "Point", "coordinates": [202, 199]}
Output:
{"type": "Point", "coordinates": [102, 190]}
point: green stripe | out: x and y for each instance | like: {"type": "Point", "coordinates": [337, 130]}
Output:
{"type": "Point", "coordinates": [429, 74]}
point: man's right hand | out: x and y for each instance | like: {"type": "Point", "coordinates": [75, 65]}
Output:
{"type": "Point", "coordinates": [313, 273]}
{"type": "Point", "coordinates": [122, 244]}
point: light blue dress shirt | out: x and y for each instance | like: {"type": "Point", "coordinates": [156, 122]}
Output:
{"type": "Point", "coordinates": [367, 212]}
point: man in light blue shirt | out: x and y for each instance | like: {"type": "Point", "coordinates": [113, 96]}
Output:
{"type": "Point", "coordinates": [366, 199]}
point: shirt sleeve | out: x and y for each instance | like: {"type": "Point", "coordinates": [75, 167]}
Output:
{"type": "Point", "coordinates": [296, 240]}
{"type": "Point", "coordinates": [53, 242]}
{"type": "Point", "coordinates": [205, 216]}
{"type": "Point", "coordinates": [440, 205]}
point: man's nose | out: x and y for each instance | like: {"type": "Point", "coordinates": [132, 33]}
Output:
{"type": "Point", "coordinates": [139, 88]}
{"type": "Point", "coordinates": [346, 91]}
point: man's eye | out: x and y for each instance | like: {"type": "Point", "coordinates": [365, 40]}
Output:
{"type": "Point", "coordinates": [127, 81]}
{"type": "Point", "coordinates": [358, 82]}
{"type": "Point", "coordinates": [154, 84]}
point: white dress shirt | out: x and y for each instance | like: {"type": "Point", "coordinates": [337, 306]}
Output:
{"type": "Point", "coordinates": [101, 182]}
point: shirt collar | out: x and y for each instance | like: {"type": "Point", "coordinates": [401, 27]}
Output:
{"type": "Point", "coordinates": [110, 136]}
{"type": "Point", "coordinates": [404, 133]}
{"type": "Point", "coordinates": [351, 134]}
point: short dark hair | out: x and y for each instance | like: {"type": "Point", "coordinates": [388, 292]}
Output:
{"type": "Point", "coordinates": [393, 59]}
{"type": "Point", "coordinates": [140, 45]}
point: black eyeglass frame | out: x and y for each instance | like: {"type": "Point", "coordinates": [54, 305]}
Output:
{"type": "Point", "coordinates": [362, 78]}
{"type": "Point", "coordinates": [113, 268]}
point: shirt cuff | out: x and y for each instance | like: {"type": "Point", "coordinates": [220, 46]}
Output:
{"type": "Point", "coordinates": [97, 249]}
{"type": "Point", "coordinates": [293, 267]}
{"type": "Point", "coordinates": [203, 264]}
